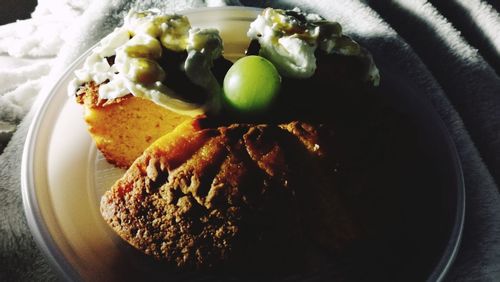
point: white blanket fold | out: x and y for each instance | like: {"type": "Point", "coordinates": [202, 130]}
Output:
{"type": "Point", "coordinates": [451, 51]}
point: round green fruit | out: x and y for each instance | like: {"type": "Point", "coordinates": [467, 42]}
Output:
{"type": "Point", "coordinates": [251, 85]}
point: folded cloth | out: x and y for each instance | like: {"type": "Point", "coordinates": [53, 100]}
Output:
{"type": "Point", "coordinates": [450, 52]}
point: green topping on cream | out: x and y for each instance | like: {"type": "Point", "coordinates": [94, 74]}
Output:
{"type": "Point", "coordinates": [138, 47]}
{"type": "Point", "coordinates": [289, 38]}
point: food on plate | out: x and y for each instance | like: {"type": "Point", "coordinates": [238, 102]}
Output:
{"type": "Point", "coordinates": [146, 77]}
{"type": "Point", "coordinates": [244, 172]}
{"type": "Point", "coordinates": [324, 72]}
{"type": "Point", "coordinates": [292, 39]}
{"type": "Point", "coordinates": [241, 195]}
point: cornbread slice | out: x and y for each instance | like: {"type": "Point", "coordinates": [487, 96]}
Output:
{"type": "Point", "coordinates": [122, 128]}
{"type": "Point", "coordinates": [242, 196]}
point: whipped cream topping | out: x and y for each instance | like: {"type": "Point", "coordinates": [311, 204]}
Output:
{"type": "Point", "coordinates": [138, 47]}
{"type": "Point", "coordinates": [289, 39]}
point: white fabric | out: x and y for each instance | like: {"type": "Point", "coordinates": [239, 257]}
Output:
{"type": "Point", "coordinates": [27, 49]}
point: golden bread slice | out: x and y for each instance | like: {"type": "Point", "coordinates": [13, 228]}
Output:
{"type": "Point", "coordinates": [122, 128]}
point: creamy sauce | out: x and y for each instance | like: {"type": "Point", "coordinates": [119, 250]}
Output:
{"type": "Point", "coordinates": [289, 39]}
{"type": "Point", "coordinates": [137, 46]}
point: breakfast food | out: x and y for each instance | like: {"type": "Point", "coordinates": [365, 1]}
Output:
{"type": "Point", "coordinates": [239, 195]}
{"type": "Point", "coordinates": [243, 176]}
{"type": "Point", "coordinates": [145, 78]}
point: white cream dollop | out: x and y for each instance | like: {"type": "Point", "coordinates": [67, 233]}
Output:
{"type": "Point", "coordinates": [292, 56]}
{"type": "Point", "coordinates": [138, 46]}
{"type": "Point", "coordinates": [290, 38]}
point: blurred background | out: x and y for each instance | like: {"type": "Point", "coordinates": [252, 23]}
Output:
{"type": "Point", "coordinates": [12, 10]}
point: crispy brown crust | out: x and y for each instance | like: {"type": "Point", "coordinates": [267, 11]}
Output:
{"type": "Point", "coordinates": [239, 196]}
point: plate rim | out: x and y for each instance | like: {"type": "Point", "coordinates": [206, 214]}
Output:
{"type": "Point", "coordinates": [450, 252]}
{"type": "Point", "coordinates": [36, 222]}
{"type": "Point", "coordinates": [43, 239]}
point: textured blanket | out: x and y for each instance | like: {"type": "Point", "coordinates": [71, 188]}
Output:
{"type": "Point", "coordinates": [450, 49]}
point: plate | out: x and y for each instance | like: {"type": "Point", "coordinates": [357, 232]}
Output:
{"type": "Point", "coordinates": [64, 176]}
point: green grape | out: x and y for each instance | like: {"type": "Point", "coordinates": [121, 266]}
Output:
{"type": "Point", "coordinates": [251, 85]}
